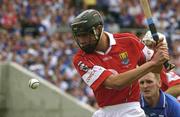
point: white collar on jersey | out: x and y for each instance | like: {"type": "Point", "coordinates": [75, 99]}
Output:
{"type": "Point", "coordinates": [111, 42]}
{"type": "Point", "coordinates": [111, 39]}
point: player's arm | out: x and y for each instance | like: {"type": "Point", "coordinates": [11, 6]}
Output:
{"type": "Point", "coordinates": [174, 90]}
{"type": "Point", "coordinates": [123, 79]}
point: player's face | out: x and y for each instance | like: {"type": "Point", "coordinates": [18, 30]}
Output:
{"type": "Point", "coordinates": [87, 42]}
{"type": "Point", "coordinates": [85, 39]}
{"type": "Point", "coordinates": [149, 85]}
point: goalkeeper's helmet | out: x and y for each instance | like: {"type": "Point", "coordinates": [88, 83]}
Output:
{"type": "Point", "coordinates": [86, 31]}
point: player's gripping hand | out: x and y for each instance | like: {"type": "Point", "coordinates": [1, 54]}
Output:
{"type": "Point", "coordinates": [161, 54]}
{"type": "Point", "coordinates": [150, 42]}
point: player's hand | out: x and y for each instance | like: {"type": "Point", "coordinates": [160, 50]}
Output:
{"type": "Point", "coordinates": [161, 53]}
{"type": "Point", "coordinates": [150, 42]}
{"type": "Point", "coordinates": [160, 45]}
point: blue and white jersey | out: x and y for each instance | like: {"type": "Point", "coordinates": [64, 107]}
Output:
{"type": "Point", "coordinates": [167, 106]}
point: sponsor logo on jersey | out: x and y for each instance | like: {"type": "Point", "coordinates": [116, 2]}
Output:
{"type": "Point", "coordinates": [82, 66]}
{"type": "Point", "coordinates": [92, 74]}
{"type": "Point", "coordinates": [124, 58]}
{"type": "Point", "coordinates": [107, 58]}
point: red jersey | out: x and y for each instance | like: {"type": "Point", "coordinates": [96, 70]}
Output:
{"type": "Point", "coordinates": [169, 79]}
{"type": "Point", "coordinates": [124, 53]}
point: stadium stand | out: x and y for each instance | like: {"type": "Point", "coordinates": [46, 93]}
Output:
{"type": "Point", "coordinates": [18, 100]}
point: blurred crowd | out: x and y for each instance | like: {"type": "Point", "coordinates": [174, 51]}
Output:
{"type": "Point", "coordinates": [36, 35]}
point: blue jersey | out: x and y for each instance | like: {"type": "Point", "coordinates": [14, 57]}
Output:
{"type": "Point", "coordinates": [167, 106]}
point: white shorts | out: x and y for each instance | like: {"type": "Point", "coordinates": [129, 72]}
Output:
{"type": "Point", "coordinates": [131, 109]}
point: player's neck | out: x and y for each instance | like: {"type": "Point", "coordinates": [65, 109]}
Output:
{"type": "Point", "coordinates": [153, 100]}
{"type": "Point", "coordinates": [103, 44]}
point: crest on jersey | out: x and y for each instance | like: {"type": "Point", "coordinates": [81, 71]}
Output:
{"type": "Point", "coordinates": [124, 58]}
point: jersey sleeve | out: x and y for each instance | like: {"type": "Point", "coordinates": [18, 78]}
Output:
{"type": "Point", "coordinates": [93, 75]}
{"type": "Point", "coordinates": [145, 53]}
